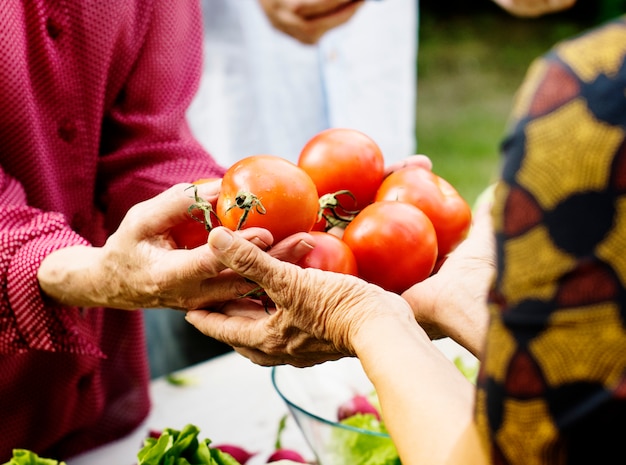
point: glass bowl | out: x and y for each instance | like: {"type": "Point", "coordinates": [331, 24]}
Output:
{"type": "Point", "coordinates": [313, 396]}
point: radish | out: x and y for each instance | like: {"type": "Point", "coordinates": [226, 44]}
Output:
{"type": "Point", "coordinates": [286, 454]}
{"type": "Point", "coordinates": [280, 452]}
{"type": "Point", "coordinates": [357, 404]}
{"type": "Point", "coordinates": [240, 454]}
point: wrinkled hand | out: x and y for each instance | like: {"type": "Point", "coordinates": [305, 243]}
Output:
{"type": "Point", "coordinates": [453, 301]}
{"type": "Point", "coordinates": [308, 20]}
{"type": "Point", "coordinates": [317, 314]}
{"type": "Point", "coordinates": [532, 8]}
{"type": "Point", "coordinates": [140, 267]}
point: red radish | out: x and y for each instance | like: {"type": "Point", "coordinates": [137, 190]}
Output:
{"type": "Point", "coordinates": [357, 404]}
{"type": "Point", "coordinates": [280, 452]}
{"type": "Point", "coordinates": [238, 453]}
{"type": "Point", "coordinates": [286, 454]}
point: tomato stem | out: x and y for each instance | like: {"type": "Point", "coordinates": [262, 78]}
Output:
{"type": "Point", "coordinates": [247, 201]}
{"type": "Point", "coordinates": [329, 210]}
{"type": "Point", "coordinates": [205, 207]}
{"type": "Point", "coordinates": [259, 294]}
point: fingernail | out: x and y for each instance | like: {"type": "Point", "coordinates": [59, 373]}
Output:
{"type": "Point", "coordinates": [306, 245]}
{"type": "Point", "coordinates": [221, 238]}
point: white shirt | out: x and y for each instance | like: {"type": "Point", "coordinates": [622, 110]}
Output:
{"type": "Point", "coordinates": [264, 92]}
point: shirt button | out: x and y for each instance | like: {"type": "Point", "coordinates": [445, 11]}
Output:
{"type": "Point", "coordinates": [53, 28]}
{"type": "Point", "coordinates": [84, 382]}
{"type": "Point", "coordinates": [67, 130]}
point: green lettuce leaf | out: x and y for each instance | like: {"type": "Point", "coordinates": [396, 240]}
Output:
{"type": "Point", "coordinates": [363, 449]}
{"type": "Point", "coordinates": [26, 457]}
{"type": "Point", "coordinates": [181, 448]}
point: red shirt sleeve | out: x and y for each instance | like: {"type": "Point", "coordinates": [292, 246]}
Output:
{"type": "Point", "coordinates": [27, 236]}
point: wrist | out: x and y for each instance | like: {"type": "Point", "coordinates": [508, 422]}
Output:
{"type": "Point", "coordinates": [67, 277]}
{"type": "Point", "coordinates": [387, 330]}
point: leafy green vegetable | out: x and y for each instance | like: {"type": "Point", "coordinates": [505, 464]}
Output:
{"type": "Point", "coordinates": [26, 457]}
{"type": "Point", "coordinates": [172, 447]}
{"type": "Point", "coordinates": [363, 449]}
{"type": "Point", "coordinates": [181, 448]}
{"type": "Point", "coordinates": [469, 371]}
{"type": "Point", "coordinates": [177, 380]}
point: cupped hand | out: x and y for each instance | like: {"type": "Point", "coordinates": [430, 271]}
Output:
{"type": "Point", "coordinates": [533, 8]}
{"type": "Point", "coordinates": [139, 266]}
{"type": "Point", "coordinates": [453, 301]}
{"type": "Point", "coordinates": [316, 314]}
{"type": "Point", "coordinates": [308, 20]}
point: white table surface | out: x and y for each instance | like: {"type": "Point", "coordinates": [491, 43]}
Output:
{"type": "Point", "coordinates": [230, 400]}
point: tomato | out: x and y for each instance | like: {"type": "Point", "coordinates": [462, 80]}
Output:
{"type": "Point", "coordinates": [192, 232]}
{"type": "Point", "coordinates": [330, 254]}
{"type": "Point", "coordinates": [450, 214]}
{"type": "Point", "coordinates": [268, 192]}
{"type": "Point", "coordinates": [394, 243]}
{"type": "Point", "coordinates": [340, 159]}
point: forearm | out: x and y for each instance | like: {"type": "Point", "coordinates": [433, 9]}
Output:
{"type": "Point", "coordinates": [426, 402]}
{"type": "Point", "coordinates": [67, 277]}
{"type": "Point", "coordinates": [81, 276]}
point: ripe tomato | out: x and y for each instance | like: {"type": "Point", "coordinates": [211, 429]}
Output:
{"type": "Point", "coordinates": [394, 243]}
{"type": "Point", "coordinates": [269, 192]}
{"type": "Point", "coordinates": [450, 214]}
{"type": "Point", "coordinates": [192, 232]}
{"type": "Point", "coordinates": [330, 254]}
{"type": "Point", "coordinates": [344, 159]}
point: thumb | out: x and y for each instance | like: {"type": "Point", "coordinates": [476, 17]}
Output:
{"type": "Point", "coordinates": [242, 256]}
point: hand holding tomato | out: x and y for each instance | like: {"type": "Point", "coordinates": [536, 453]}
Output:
{"type": "Point", "coordinates": [452, 301]}
{"type": "Point", "coordinates": [140, 265]}
{"type": "Point", "coordinates": [317, 316]}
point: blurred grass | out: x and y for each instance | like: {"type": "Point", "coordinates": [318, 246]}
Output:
{"type": "Point", "coordinates": [469, 68]}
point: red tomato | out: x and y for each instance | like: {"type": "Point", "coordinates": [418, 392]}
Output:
{"type": "Point", "coordinates": [330, 254]}
{"type": "Point", "coordinates": [269, 192]}
{"type": "Point", "coordinates": [344, 159]}
{"type": "Point", "coordinates": [394, 243]}
{"type": "Point", "coordinates": [193, 233]}
{"type": "Point", "coordinates": [450, 214]}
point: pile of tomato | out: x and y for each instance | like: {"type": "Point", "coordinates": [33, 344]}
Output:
{"type": "Point", "coordinates": [389, 230]}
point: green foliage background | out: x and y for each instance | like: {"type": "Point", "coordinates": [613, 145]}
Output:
{"type": "Point", "coordinates": [471, 61]}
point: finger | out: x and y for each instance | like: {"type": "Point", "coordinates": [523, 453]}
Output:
{"type": "Point", "coordinates": [201, 263]}
{"type": "Point", "coordinates": [244, 258]}
{"type": "Point", "coordinates": [422, 161]}
{"type": "Point", "coordinates": [327, 21]}
{"type": "Point", "coordinates": [159, 214]}
{"type": "Point", "coordinates": [535, 8]}
{"type": "Point", "coordinates": [317, 8]}
{"type": "Point", "coordinates": [208, 190]}
{"type": "Point", "coordinates": [236, 331]}
{"type": "Point", "coordinates": [294, 247]}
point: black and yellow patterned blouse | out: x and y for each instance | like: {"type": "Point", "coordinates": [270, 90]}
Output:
{"type": "Point", "coordinates": [552, 388]}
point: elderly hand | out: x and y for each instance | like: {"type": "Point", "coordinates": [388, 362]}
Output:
{"type": "Point", "coordinates": [140, 267]}
{"type": "Point", "coordinates": [532, 8]}
{"type": "Point", "coordinates": [453, 301]}
{"type": "Point", "coordinates": [317, 314]}
{"type": "Point", "coordinates": [308, 20]}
